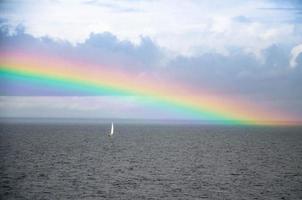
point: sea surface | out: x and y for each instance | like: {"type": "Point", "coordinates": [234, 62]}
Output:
{"type": "Point", "coordinates": [149, 161]}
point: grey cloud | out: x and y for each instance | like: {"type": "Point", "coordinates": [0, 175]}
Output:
{"type": "Point", "coordinates": [242, 19]}
{"type": "Point", "coordinates": [282, 9]}
{"type": "Point", "coordinates": [225, 72]}
{"type": "Point", "coordinates": [293, 6]}
{"type": "Point", "coordinates": [103, 48]}
{"type": "Point", "coordinates": [238, 74]}
{"type": "Point", "coordinates": [243, 75]}
{"type": "Point", "coordinates": [106, 47]}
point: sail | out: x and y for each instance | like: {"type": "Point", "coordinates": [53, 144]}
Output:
{"type": "Point", "coordinates": [112, 129]}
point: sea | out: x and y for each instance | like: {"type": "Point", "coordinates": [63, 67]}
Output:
{"type": "Point", "coordinates": [152, 160]}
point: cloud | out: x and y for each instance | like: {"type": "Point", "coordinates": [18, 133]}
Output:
{"type": "Point", "coordinates": [115, 7]}
{"type": "Point", "coordinates": [239, 73]}
{"type": "Point", "coordinates": [102, 48]}
{"type": "Point", "coordinates": [182, 27]}
{"type": "Point", "coordinates": [293, 7]}
{"type": "Point", "coordinates": [107, 107]}
{"type": "Point", "coordinates": [242, 19]}
{"type": "Point", "coordinates": [223, 72]}
{"type": "Point", "coordinates": [295, 52]}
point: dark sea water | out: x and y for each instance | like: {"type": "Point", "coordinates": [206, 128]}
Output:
{"type": "Point", "coordinates": [149, 161]}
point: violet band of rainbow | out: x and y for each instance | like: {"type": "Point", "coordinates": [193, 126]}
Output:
{"type": "Point", "coordinates": [92, 79]}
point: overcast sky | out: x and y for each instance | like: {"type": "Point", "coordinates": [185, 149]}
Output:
{"type": "Point", "coordinates": [249, 49]}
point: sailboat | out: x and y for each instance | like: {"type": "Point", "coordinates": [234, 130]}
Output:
{"type": "Point", "coordinates": [112, 130]}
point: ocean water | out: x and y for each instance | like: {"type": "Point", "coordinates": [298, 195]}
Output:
{"type": "Point", "coordinates": [149, 161]}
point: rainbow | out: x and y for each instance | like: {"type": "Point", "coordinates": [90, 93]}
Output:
{"type": "Point", "coordinates": [92, 79]}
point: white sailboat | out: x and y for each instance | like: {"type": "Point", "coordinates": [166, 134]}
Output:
{"type": "Point", "coordinates": [112, 130]}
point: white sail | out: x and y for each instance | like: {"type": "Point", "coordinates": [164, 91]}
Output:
{"type": "Point", "coordinates": [112, 129]}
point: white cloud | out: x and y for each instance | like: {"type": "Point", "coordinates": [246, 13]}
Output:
{"type": "Point", "coordinates": [295, 52]}
{"type": "Point", "coordinates": [129, 107]}
{"type": "Point", "coordinates": [43, 106]}
{"type": "Point", "coordinates": [185, 27]}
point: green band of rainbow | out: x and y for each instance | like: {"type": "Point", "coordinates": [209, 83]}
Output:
{"type": "Point", "coordinates": [87, 80]}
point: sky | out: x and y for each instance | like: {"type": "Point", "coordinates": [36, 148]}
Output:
{"type": "Point", "coordinates": [247, 50]}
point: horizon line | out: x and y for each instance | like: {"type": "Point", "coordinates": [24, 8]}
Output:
{"type": "Point", "coordinates": [163, 120]}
